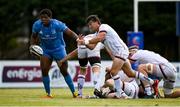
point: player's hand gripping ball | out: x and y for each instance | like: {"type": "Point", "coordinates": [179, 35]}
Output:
{"type": "Point", "coordinates": [36, 50]}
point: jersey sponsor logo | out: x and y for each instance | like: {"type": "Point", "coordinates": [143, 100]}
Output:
{"type": "Point", "coordinates": [41, 32]}
{"type": "Point", "coordinates": [53, 32]}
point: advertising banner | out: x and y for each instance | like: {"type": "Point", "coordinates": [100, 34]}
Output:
{"type": "Point", "coordinates": [22, 74]}
{"type": "Point", "coordinates": [28, 74]}
{"type": "Point", "coordinates": [135, 38]}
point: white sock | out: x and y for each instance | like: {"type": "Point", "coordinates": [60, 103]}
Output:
{"type": "Point", "coordinates": [118, 85]}
{"type": "Point", "coordinates": [148, 90]}
{"type": "Point", "coordinates": [123, 94]}
{"type": "Point", "coordinates": [96, 81]}
{"type": "Point", "coordinates": [142, 77]}
{"type": "Point", "coordinates": [81, 81]}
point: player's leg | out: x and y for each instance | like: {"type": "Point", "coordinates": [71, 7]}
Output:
{"type": "Point", "coordinates": [45, 63]}
{"type": "Point", "coordinates": [67, 77]}
{"type": "Point", "coordinates": [94, 59]}
{"type": "Point", "coordinates": [116, 66]}
{"type": "Point", "coordinates": [174, 94]}
{"type": "Point", "coordinates": [96, 67]}
{"type": "Point", "coordinates": [130, 89]}
{"type": "Point", "coordinates": [131, 73]}
{"type": "Point", "coordinates": [169, 77]}
{"type": "Point", "coordinates": [168, 87]}
{"type": "Point", "coordinates": [146, 69]}
{"type": "Point", "coordinates": [82, 74]}
{"type": "Point", "coordinates": [151, 70]}
{"type": "Point", "coordinates": [58, 55]}
{"type": "Point", "coordinates": [83, 61]}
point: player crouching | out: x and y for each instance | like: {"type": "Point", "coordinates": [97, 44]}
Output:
{"type": "Point", "coordinates": [130, 88]}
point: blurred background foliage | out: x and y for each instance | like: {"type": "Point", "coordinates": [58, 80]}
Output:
{"type": "Point", "coordinates": [156, 20]}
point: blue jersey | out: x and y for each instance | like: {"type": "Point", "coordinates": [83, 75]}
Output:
{"type": "Point", "coordinates": [51, 37]}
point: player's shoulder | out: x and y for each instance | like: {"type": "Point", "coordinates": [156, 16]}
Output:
{"type": "Point", "coordinates": [38, 23]}
{"type": "Point", "coordinates": [142, 52]}
{"type": "Point", "coordinates": [139, 51]}
{"type": "Point", "coordinates": [56, 22]}
{"type": "Point", "coordinates": [104, 25]}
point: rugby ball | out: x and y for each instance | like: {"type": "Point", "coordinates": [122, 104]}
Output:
{"type": "Point", "coordinates": [37, 50]}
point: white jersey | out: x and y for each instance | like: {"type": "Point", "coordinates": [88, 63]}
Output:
{"type": "Point", "coordinates": [164, 69]}
{"type": "Point", "coordinates": [130, 87]}
{"type": "Point", "coordinates": [84, 52]}
{"type": "Point", "coordinates": [145, 56]}
{"type": "Point", "coordinates": [113, 42]}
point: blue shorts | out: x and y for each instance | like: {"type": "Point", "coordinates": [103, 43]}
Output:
{"type": "Point", "coordinates": [55, 54]}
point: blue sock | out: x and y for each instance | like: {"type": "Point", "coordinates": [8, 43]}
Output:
{"type": "Point", "coordinates": [46, 83]}
{"type": "Point", "coordinates": [69, 83]}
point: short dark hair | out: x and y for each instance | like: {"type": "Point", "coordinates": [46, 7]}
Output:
{"type": "Point", "coordinates": [48, 12]}
{"type": "Point", "coordinates": [93, 18]}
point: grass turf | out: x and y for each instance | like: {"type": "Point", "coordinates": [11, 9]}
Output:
{"type": "Point", "coordinates": [63, 97]}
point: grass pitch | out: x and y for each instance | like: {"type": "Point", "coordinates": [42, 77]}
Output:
{"type": "Point", "coordinates": [63, 97]}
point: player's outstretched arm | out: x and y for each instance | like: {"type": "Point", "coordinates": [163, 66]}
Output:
{"type": "Point", "coordinates": [70, 55]}
{"type": "Point", "coordinates": [71, 33]}
{"type": "Point", "coordinates": [99, 38]}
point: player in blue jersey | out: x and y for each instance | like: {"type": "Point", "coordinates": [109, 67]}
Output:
{"type": "Point", "coordinates": [48, 33]}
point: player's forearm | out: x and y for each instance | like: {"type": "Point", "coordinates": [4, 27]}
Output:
{"type": "Point", "coordinates": [70, 56]}
{"type": "Point", "coordinates": [33, 39]}
{"type": "Point", "coordinates": [95, 40]}
{"type": "Point", "coordinates": [91, 46]}
{"type": "Point", "coordinates": [74, 35]}
{"type": "Point", "coordinates": [100, 37]}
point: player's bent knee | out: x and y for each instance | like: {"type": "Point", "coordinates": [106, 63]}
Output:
{"type": "Point", "coordinates": [83, 62]}
{"type": "Point", "coordinates": [96, 67]}
{"type": "Point", "coordinates": [94, 61]}
{"type": "Point", "coordinates": [168, 89]}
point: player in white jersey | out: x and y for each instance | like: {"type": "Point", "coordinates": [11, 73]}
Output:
{"type": "Point", "coordinates": [118, 48]}
{"type": "Point", "coordinates": [152, 63]}
{"type": "Point", "coordinates": [129, 86]}
{"type": "Point", "coordinates": [86, 55]}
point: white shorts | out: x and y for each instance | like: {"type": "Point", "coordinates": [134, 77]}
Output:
{"type": "Point", "coordinates": [121, 53]}
{"type": "Point", "coordinates": [84, 52]}
{"type": "Point", "coordinates": [168, 73]}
